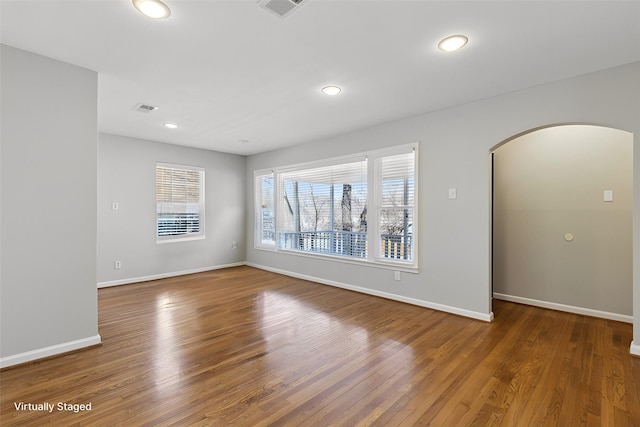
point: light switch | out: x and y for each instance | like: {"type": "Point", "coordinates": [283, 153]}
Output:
{"type": "Point", "coordinates": [608, 196]}
{"type": "Point", "coordinates": [453, 193]}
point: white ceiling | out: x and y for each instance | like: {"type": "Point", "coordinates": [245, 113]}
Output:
{"type": "Point", "coordinates": [229, 70]}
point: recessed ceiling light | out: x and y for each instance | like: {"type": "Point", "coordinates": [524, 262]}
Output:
{"type": "Point", "coordinates": [331, 90]}
{"type": "Point", "coordinates": [152, 8]}
{"type": "Point", "coordinates": [453, 43]}
{"type": "Point", "coordinates": [244, 141]}
{"type": "Point", "coordinates": [170, 125]}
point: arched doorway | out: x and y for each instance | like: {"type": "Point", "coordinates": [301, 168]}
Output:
{"type": "Point", "coordinates": [562, 220]}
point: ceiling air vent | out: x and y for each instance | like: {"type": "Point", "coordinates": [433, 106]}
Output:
{"type": "Point", "coordinates": [282, 8]}
{"type": "Point", "coordinates": [144, 108]}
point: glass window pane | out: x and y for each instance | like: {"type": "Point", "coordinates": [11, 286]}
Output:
{"type": "Point", "coordinates": [323, 210]}
{"type": "Point", "coordinates": [266, 210]}
{"type": "Point", "coordinates": [395, 210]}
{"type": "Point", "coordinates": [179, 201]}
{"type": "Point", "coordinates": [396, 233]}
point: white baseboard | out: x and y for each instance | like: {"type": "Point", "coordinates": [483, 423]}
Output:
{"type": "Point", "coordinates": [567, 308]}
{"type": "Point", "coordinates": [53, 350]}
{"type": "Point", "coordinates": [634, 349]}
{"type": "Point", "coordinates": [387, 295]}
{"type": "Point", "coordinates": [165, 275]}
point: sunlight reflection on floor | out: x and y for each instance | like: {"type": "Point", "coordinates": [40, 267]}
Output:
{"type": "Point", "coordinates": [301, 329]}
{"type": "Point", "coordinates": [167, 362]}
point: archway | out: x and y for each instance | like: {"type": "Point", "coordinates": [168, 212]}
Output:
{"type": "Point", "coordinates": [562, 220]}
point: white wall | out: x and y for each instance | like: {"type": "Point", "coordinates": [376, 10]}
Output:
{"type": "Point", "coordinates": [549, 183]}
{"type": "Point", "coordinates": [454, 152]}
{"type": "Point", "coordinates": [48, 300]}
{"type": "Point", "coordinates": [126, 175]}
{"type": "Point", "coordinates": [48, 273]}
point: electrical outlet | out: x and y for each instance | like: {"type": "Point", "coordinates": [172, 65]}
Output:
{"type": "Point", "coordinates": [234, 245]}
{"type": "Point", "coordinates": [117, 265]}
{"type": "Point", "coordinates": [114, 206]}
{"type": "Point", "coordinates": [396, 275]}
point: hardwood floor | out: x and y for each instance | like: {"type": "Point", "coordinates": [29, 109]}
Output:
{"type": "Point", "coordinates": [250, 348]}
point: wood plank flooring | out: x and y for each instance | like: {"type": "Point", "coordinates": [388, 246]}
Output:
{"type": "Point", "coordinates": [247, 347]}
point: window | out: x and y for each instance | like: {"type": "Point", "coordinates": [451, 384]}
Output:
{"type": "Point", "coordinates": [179, 202]}
{"type": "Point", "coordinates": [395, 203]}
{"type": "Point", "coordinates": [265, 211]}
{"type": "Point", "coordinates": [324, 209]}
{"type": "Point", "coordinates": [361, 208]}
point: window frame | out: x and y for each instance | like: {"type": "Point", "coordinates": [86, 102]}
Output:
{"type": "Point", "coordinates": [373, 206]}
{"type": "Point", "coordinates": [378, 204]}
{"type": "Point", "coordinates": [200, 205]}
{"type": "Point", "coordinates": [304, 170]}
{"type": "Point", "coordinates": [258, 213]}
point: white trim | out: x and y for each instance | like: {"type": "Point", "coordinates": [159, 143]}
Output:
{"type": "Point", "coordinates": [201, 204]}
{"type": "Point", "coordinates": [634, 349]}
{"type": "Point", "coordinates": [387, 295]}
{"type": "Point", "coordinates": [329, 161]}
{"type": "Point", "coordinates": [165, 275]}
{"type": "Point", "coordinates": [53, 350]}
{"type": "Point", "coordinates": [371, 158]}
{"type": "Point", "coordinates": [169, 239]}
{"type": "Point", "coordinates": [257, 211]}
{"type": "Point", "coordinates": [567, 308]}
{"type": "Point", "coordinates": [386, 265]}
{"type": "Point", "coordinates": [380, 152]}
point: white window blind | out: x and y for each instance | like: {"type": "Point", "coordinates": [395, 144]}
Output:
{"type": "Point", "coordinates": [323, 209]}
{"type": "Point", "coordinates": [361, 208]}
{"type": "Point", "coordinates": [179, 201]}
{"type": "Point", "coordinates": [265, 210]}
{"type": "Point", "coordinates": [395, 204]}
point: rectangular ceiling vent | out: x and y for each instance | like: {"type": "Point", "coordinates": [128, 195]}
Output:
{"type": "Point", "coordinates": [282, 8]}
{"type": "Point", "coordinates": [144, 108]}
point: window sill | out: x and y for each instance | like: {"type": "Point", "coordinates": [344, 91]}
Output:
{"type": "Point", "coordinates": [385, 265]}
{"type": "Point", "coordinates": [179, 239]}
